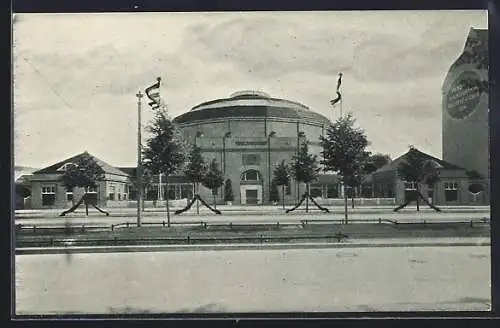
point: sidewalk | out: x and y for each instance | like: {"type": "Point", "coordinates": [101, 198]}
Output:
{"type": "Point", "coordinates": [243, 210]}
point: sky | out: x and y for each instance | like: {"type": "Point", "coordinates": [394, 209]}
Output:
{"type": "Point", "coordinates": [76, 75]}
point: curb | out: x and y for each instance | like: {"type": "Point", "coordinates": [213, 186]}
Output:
{"type": "Point", "coordinates": [212, 247]}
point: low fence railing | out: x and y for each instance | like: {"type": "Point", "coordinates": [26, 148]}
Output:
{"type": "Point", "coordinates": [72, 228]}
{"type": "Point", "coordinates": [187, 240]}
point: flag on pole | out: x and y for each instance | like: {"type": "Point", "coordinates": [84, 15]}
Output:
{"type": "Point", "coordinates": [153, 93]}
{"type": "Point", "coordinates": [339, 96]}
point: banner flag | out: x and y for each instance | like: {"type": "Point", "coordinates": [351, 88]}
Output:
{"type": "Point", "coordinates": [153, 93]}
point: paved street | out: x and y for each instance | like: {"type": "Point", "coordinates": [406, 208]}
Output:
{"type": "Point", "coordinates": [407, 216]}
{"type": "Point", "coordinates": [354, 279]}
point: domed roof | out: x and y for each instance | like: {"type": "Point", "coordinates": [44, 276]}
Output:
{"type": "Point", "coordinates": [250, 103]}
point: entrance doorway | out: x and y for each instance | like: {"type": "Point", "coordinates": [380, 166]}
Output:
{"type": "Point", "coordinates": [251, 196]}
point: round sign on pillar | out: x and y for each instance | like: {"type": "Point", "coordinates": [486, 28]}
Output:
{"type": "Point", "coordinates": [463, 97]}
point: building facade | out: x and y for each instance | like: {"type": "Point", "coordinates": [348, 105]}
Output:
{"type": "Point", "coordinates": [248, 134]}
{"type": "Point", "coordinates": [48, 191]}
{"type": "Point", "coordinates": [452, 189]}
{"type": "Point", "coordinates": [465, 106]}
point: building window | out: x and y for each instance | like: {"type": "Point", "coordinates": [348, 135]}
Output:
{"type": "Point", "coordinates": [125, 196]}
{"type": "Point", "coordinates": [451, 191]}
{"type": "Point", "coordinates": [250, 159]}
{"type": "Point", "coordinates": [332, 190]}
{"type": "Point", "coordinates": [251, 175]}
{"type": "Point", "coordinates": [316, 190]}
{"type": "Point", "coordinates": [410, 185]}
{"type": "Point", "coordinates": [92, 195]}
{"type": "Point", "coordinates": [48, 195]}
{"type": "Point", "coordinates": [170, 193]}
{"type": "Point", "coordinates": [69, 195]}
{"type": "Point", "coordinates": [111, 194]}
{"type": "Point", "coordinates": [187, 191]}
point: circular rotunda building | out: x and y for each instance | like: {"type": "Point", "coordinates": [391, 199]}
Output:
{"type": "Point", "coordinates": [248, 134]}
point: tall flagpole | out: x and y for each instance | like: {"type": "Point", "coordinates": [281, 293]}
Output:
{"type": "Point", "coordinates": [340, 107]}
{"type": "Point", "coordinates": [139, 95]}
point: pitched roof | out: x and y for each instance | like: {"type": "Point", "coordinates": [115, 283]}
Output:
{"type": "Point", "coordinates": [56, 168]}
{"type": "Point", "coordinates": [393, 165]}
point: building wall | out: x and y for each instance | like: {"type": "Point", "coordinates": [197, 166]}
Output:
{"type": "Point", "coordinates": [38, 181]}
{"type": "Point", "coordinates": [384, 179]}
{"type": "Point", "coordinates": [250, 137]}
{"type": "Point", "coordinates": [465, 107]}
{"type": "Point", "coordinates": [466, 138]}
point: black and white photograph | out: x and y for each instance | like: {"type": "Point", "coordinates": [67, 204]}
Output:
{"type": "Point", "coordinates": [250, 162]}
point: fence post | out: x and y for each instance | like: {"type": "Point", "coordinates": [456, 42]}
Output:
{"type": "Point", "coordinates": [34, 228]}
{"type": "Point", "coordinates": [112, 227]}
{"type": "Point", "coordinates": [231, 225]}
{"type": "Point", "coordinates": [83, 228]}
{"type": "Point", "coordinates": [471, 224]}
{"type": "Point", "coordinates": [261, 238]}
{"type": "Point", "coordinates": [51, 241]}
{"type": "Point", "coordinates": [188, 239]}
{"type": "Point", "coordinates": [127, 224]}
{"type": "Point", "coordinates": [379, 220]}
{"type": "Point", "coordinates": [204, 225]}
{"type": "Point", "coordinates": [278, 224]}
{"type": "Point", "coordinates": [163, 223]}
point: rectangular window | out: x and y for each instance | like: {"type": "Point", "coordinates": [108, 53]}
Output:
{"type": "Point", "coordinates": [187, 191]}
{"type": "Point", "coordinates": [69, 196]}
{"type": "Point", "coordinates": [451, 191]}
{"type": "Point", "coordinates": [170, 193]}
{"type": "Point", "coordinates": [410, 185]}
{"type": "Point", "coordinates": [250, 159]}
{"type": "Point", "coordinates": [48, 195]}
{"type": "Point", "coordinates": [316, 190]}
{"type": "Point", "coordinates": [92, 195]}
{"type": "Point", "coordinates": [332, 190]}
{"type": "Point", "coordinates": [111, 194]}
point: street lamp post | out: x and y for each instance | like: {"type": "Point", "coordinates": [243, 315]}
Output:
{"type": "Point", "coordinates": [199, 134]}
{"type": "Point", "coordinates": [227, 135]}
{"type": "Point", "coordinates": [300, 134]}
{"type": "Point", "coordinates": [271, 135]}
{"type": "Point", "coordinates": [139, 95]}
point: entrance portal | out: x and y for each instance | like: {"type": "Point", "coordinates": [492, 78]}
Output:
{"type": "Point", "coordinates": [251, 196]}
{"type": "Point", "coordinates": [251, 187]}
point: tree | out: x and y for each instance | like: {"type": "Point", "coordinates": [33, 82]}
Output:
{"type": "Point", "coordinates": [84, 173]}
{"type": "Point", "coordinates": [147, 180]}
{"type": "Point", "coordinates": [417, 169]}
{"type": "Point", "coordinates": [358, 174]}
{"type": "Point", "coordinates": [282, 178]}
{"type": "Point", "coordinates": [473, 174]}
{"type": "Point", "coordinates": [274, 195]}
{"type": "Point", "coordinates": [164, 150]}
{"type": "Point", "coordinates": [344, 150]}
{"type": "Point", "coordinates": [195, 170]}
{"type": "Point", "coordinates": [375, 162]}
{"type": "Point", "coordinates": [305, 169]}
{"type": "Point", "coordinates": [228, 191]}
{"type": "Point", "coordinates": [213, 179]}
